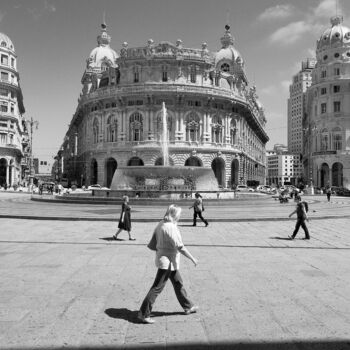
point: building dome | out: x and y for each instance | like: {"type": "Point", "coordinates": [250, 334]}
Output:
{"type": "Point", "coordinates": [228, 52]}
{"type": "Point", "coordinates": [335, 36]}
{"type": "Point", "coordinates": [6, 42]}
{"type": "Point", "coordinates": [103, 54]}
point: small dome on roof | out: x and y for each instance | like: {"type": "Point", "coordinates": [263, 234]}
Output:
{"type": "Point", "coordinates": [335, 36]}
{"type": "Point", "coordinates": [5, 42]}
{"type": "Point", "coordinates": [228, 52]}
{"type": "Point", "coordinates": [103, 53]}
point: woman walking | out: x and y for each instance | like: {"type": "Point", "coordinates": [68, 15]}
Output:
{"type": "Point", "coordinates": [125, 220]}
{"type": "Point", "coordinates": [198, 208]}
{"type": "Point", "coordinates": [169, 246]}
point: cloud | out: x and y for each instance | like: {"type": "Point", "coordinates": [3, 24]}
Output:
{"type": "Point", "coordinates": [276, 12]}
{"type": "Point", "coordinates": [46, 8]}
{"type": "Point", "coordinates": [325, 9]}
{"type": "Point", "coordinates": [290, 33]}
{"type": "Point", "coordinates": [312, 21]}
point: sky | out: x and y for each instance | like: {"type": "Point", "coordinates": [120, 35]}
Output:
{"type": "Point", "coordinates": [53, 39]}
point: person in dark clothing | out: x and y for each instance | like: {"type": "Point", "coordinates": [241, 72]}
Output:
{"type": "Point", "coordinates": [300, 210]}
{"type": "Point", "coordinates": [328, 193]}
{"type": "Point", "coordinates": [198, 208]}
{"type": "Point", "coordinates": [125, 220]}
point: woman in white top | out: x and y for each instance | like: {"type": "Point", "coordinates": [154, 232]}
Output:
{"type": "Point", "coordinates": [168, 249]}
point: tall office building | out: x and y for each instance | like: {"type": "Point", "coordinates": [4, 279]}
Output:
{"type": "Point", "coordinates": [296, 105]}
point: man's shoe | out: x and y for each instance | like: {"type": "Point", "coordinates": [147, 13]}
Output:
{"type": "Point", "coordinates": [194, 225]}
{"type": "Point", "coordinates": [206, 224]}
{"type": "Point", "coordinates": [192, 310]}
{"type": "Point", "coordinates": [307, 238]}
{"type": "Point", "coordinates": [147, 320]}
{"type": "Point", "coordinates": [291, 237]}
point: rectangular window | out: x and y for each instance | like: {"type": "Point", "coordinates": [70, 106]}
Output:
{"type": "Point", "coordinates": [3, 92]}
{"type": "Point", "coordinates": [12, 108]}
{"type": "Point", "coordinates": [336, 106]}
{"type": "Point", "coordinates": [4, 60]}
{"type": "Point", "coordinates": [323, 91]}
{"type": "Point", "coordinates": [4, 108]}
{"type": "Point", "coordinates": [336, 71]}
{"type": "Point", "coordinates": [136, 77]}
{"type": "Point", "coordinates": [165, 76]}
{"type": "Point", "coordinates": [3, 139]}
{"type": "Point", "coordinates": [336, 88]}
{"type": "Point", "coordinates": [323, 108]}
{"type": "Point", "coordinates": [4, 76]}
{"type": "Point", "coordinates": [12, 62]}
{"type": "Point", "coordinates": [337, 142]}
{"type": "Point", "coordinates": [193, 75]}
{"type": "Point", "coordinates": [323, 74]}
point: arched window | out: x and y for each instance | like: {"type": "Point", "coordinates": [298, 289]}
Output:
{"type": "Point", "coordinates": [136, 74]}
{"type": "Point", "coordinates": [324, 140]}
{"type": "Point", "coordinates": [95, 131]}
{"type": "Point", "coordinates": [216, 129]}
{"type": "Point", "coordinates": [337, 139]}
{"type": "Point", "coordinates": [233, 131]}
{"type": "Point", "coordinates": [193, 74]}
{"type": "Point", "coordinates": [225, 67]}
{"type": "Point", "coordinates": [112, 128]}
{"type": "Point", "coordinates": [164, 73]}
{"type": "Point", "coordinates": [192, 127]}
{"type": "Point", "coordinates": [136, 127]}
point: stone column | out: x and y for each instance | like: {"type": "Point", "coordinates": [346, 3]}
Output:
{"type": "Point", "coordinates": [8, 175]}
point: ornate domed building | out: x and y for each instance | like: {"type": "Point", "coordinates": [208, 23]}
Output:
{"type": "Point", "coordinates": [214, 119]}
{"type": "Point", "coordinates": [13, 133]}
{"type": "Point", "coordinates": [327, 121]}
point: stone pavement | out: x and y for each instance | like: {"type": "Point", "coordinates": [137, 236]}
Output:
{"type": "Point", "coordinates": [65, 284]}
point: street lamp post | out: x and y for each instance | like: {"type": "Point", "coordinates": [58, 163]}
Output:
{"type": "Point", "coordinates": [31, 124]}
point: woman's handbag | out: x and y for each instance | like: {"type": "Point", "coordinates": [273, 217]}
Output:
{"type": "Point", "coordinates": [153, 242]}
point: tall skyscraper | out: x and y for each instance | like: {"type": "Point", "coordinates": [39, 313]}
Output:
{"type": "Point", "coordinates": [296, 105]}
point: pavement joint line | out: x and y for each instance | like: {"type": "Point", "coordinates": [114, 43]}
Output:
{"type": "Point", "coordinates": [64, 218]}
{"type": "Point", "coordinates": [187, 245]}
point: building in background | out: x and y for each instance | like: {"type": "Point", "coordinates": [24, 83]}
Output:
{"type": "Point", "coordinates": [14, 139]}
{"type": "Point", "coordinates": [296, 105]}
{"type": "Point", "coordinates": [214, 118]}
{"type": "Point", "coordinates": [326, 153]}
{"type": "Point", "coordinates": [283, 168]}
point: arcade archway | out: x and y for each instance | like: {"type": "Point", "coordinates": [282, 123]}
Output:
{"type": "Point", "coordinates": [324, 175]}
{"type": "Point", "coordinates": [218, 166]}
{"type": "Point", "coordinates": [111, 167]}
{"type": "Point", "coordinates": [337, 174]}
{"type": "Point", "coordinates": [193, 161]}
{"type": "Point", "coordinates": [93, 172]}
{"type": "Point", "coordinates": [135, 161]}
{"type": "Point", "coordinates": [234, 173]}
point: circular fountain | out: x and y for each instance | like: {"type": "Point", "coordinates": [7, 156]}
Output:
{"type": "Point", "coordinates": [163, 181]}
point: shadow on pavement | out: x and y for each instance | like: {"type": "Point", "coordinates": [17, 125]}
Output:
{"type": "Point", "coordinates": [296, 345]}
{"type": "Point", "coordinates": [123, 314]}
{"type": "Point", "coordinates": [281, 238]}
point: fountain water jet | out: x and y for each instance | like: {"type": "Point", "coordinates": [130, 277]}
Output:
{"type": "Point", "coordinates": [163, 181]}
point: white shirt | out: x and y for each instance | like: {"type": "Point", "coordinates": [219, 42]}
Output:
{"type": "Point", "coordinates": [168, 242]}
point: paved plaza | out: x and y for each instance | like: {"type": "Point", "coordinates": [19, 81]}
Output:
{"type": "Point", "coordinates": [66, 284]}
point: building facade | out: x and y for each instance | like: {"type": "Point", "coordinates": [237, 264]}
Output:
{"type": "Point", "coordinates": [13, 133]}
{"type": "Point", "coordinates": [214, 119]}
{"type": "Point", "coordinates": [297, 104]}
{"type": "Point", "coordinates": [283, 168]}
{"type": "Point", "coordinates": [326, 154]}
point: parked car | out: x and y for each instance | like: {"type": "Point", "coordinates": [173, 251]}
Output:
{"type": "Point", "coordinates": [244, 188]}
{"type": "Point", "coordinates": [94, 187]}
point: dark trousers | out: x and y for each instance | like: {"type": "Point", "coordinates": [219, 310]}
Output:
{"type": "Point", "coordinates": [301, 222]}
{"type": "Point", "coordinates": [328, 197]}
{"type": "Point", "coordinates": [199, 214]}
{"type": "Point", "coordinates": [159, 284]}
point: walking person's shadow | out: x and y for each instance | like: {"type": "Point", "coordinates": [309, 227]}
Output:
{"type": "Point", "coordinates": [131, 316]}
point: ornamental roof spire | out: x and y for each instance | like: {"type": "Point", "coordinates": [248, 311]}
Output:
{"type": "Point", "coordinates": [227, 39]}
{"type": "Point", "coordinates": [335, 20]}
{"type": "Point", "coordinates": [103, 39]}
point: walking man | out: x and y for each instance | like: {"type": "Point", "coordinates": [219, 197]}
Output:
{"type": "Point", "coordinates": [301, 211]}
{"type": "Point", "coordinates": [198, 208]}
